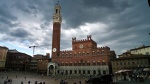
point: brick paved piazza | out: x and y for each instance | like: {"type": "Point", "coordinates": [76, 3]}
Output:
{"type": "Point", "coordinates": [32, 77]}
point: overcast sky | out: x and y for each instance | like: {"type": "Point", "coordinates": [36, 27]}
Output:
{"type": "Point", "coordinates": [118, 24]}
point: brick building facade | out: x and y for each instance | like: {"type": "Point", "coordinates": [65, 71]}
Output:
{"type": "Point", "coordinates": [85, 58]}
{"type": "Point", "coordinates": [39, 63]}
{"type": "Point", "coordinates": [3, 57]}
{"type": "Point", "coordinates": [132, 59]}
{"type": "Point", "coordinates": [17, 60]}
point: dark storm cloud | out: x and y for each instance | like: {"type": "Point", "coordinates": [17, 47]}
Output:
{"type": "Point", "coordinates": [127, 21]}
{"type": "Point", "coordinates": [86, 11]}
{"type": "Point", "coordinates": [6, 18]}
{"type": "Point", "coordinates": [19, 32]}
{"type": "Point", "coordinates": [5, 13]}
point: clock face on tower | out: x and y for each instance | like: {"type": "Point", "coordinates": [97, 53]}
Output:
{"type": "Point", "coordinates": [54, 49]}
{"type": "Point", "coordinates": [81, 46]}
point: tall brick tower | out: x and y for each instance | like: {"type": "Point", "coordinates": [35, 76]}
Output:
{"type": "Point", "coordinates": [56, 31]}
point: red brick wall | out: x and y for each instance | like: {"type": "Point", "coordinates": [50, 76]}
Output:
{"type": "Point", "coordinates": [56, 38]}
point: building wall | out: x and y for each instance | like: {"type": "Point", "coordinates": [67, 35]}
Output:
{"type": "Point", "coordinates": [88, 57]}
{"type": "Point", "coordinates": [143, 51]}
{"type": "Point", "coordinates": [17, 60]}
{"type": "Point", "coordinates": [42, 65]}
{"type": "Point", "coordinates": [129, 62]}
{"type": "Point", "coordinates": [39, 63]}
{"type": "Point", "coordinates": [83, 70]}
{"type": "Point", "coordinates": [3, 57]}
{"type": "Point", "coordinates": [84, 54]}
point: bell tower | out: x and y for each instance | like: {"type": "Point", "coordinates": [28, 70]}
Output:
{"type": "Point", "coordinates": [56, 31]}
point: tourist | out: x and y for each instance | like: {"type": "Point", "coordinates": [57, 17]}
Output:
{"type": "Point", "coordinates": [79, 82]}
{"type": "Point", "coordinates": [25, 77]}
{"type": "Point", "coordinates": [21, 82]}
{"type": "Point", "coordinates": [28, 82]}
{"type": "Point", "coordinates": [35, 82]}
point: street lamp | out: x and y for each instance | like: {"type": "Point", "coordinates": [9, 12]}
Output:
{"type": "Point", "coordinates": [33, 48]}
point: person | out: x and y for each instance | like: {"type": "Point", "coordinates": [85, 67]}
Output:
{"type": "Point", "coordinates": [16, 76]}
{"type": "Point", "coordinates": [21, 82]}
{"type": "Point", "coordinates": [28, 82]}
{"type": "Point", "coordinates": [35, 82]}
{"type": "Point", "coordinates": [42, 76]}
{"type": "Point", "coordinates": [61, 82]}
{"type": "Point", "coordinates": [25, 77]}
{"type": "Point", "coordinates": [79, 82]}
{"type": "Point", "coordinates": [5, 82]}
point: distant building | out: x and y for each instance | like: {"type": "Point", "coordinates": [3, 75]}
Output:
{"type": "Point", "coordinates": [85, 58]}
{"type": "Point", "coordinates": [3, 57]}
{"type": "Point", "coordinates": [143, 50]}
{"type": "Point", "coordinates": [133, 58]}
{"type": "Point", "coordinates": [39, 63]}
{"type": "Point", "coordinates": [17, 60]}
{"type": "Point", "coordinates": [130, 62]}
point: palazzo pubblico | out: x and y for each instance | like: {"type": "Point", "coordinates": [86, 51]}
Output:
{"type": "Point", "coordinates": [85, 58]}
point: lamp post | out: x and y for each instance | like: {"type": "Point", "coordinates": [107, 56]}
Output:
{"type": "Point", "coordinates": [33, 48]}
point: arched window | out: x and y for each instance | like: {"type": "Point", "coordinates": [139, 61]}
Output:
{"type": "Point", "coordinates": [66, 64]}
{"type": "Point", "coordinates": [70, 71]}
{"type": "Point", "coordinates": [94, 71]}
{"type": "Point", "coordinates": [98, 63]}
{"type": "Point", "coordinates": [94, 63]}
{"type": "Point", "coordinates": [79, 71]}
{"type": "Point", "coordinates": [104, 72]}
{"type": "Point", "coordinates": [88, 71]}
{"type": "Point", "coordinates": [83, 71]}
{"type": "Point", "coordinates": [75, 71]}
{"type": "Point", "coordinates": [88, 63]}
{"type": "Point", "coordinates": [70, 64]}
{"type": "Point", "coordinates": [75, 64]}
{"type": "Point", "coordinates": [103, 62]}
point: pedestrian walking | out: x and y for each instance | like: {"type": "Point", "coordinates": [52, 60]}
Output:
{"type": "Point", "coordinates": [25, 77]}
{"type": "Point", "coordinates": [79, 82]}
{"type": "Point", "coordinates": [28, 82]}
{"type": "Point", "coordinates": [42, 76]}
{"type": "Point", "coordinates": [5, 82]}
{"type": "Point", "coordinates": [35, 82]}
{"type": "Point", "coordinates": [16, 76]}
{"type": "Point", "coordinates": [21, 82]}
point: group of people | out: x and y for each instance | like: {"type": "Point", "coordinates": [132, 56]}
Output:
{"type": "Point", "coordinates": [63, 82]}
{"type": "Point", "coordinates": [8, 81]}
{"type": "Point", "coordinates": [34, 83]}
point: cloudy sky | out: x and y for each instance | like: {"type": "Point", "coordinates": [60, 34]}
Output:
{"type": "Point", "coordinates": [119, 24]}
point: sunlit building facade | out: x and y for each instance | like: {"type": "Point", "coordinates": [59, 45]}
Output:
{"type": "Point", "coordinates": [3, 57]}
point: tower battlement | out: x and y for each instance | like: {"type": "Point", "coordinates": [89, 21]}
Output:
{"type": "Point", "coordinates": [104, 47]}
{"type": "Point", "coordinates": [89, 38]}
{"type": "Point", "coordinates": [66, 51]}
